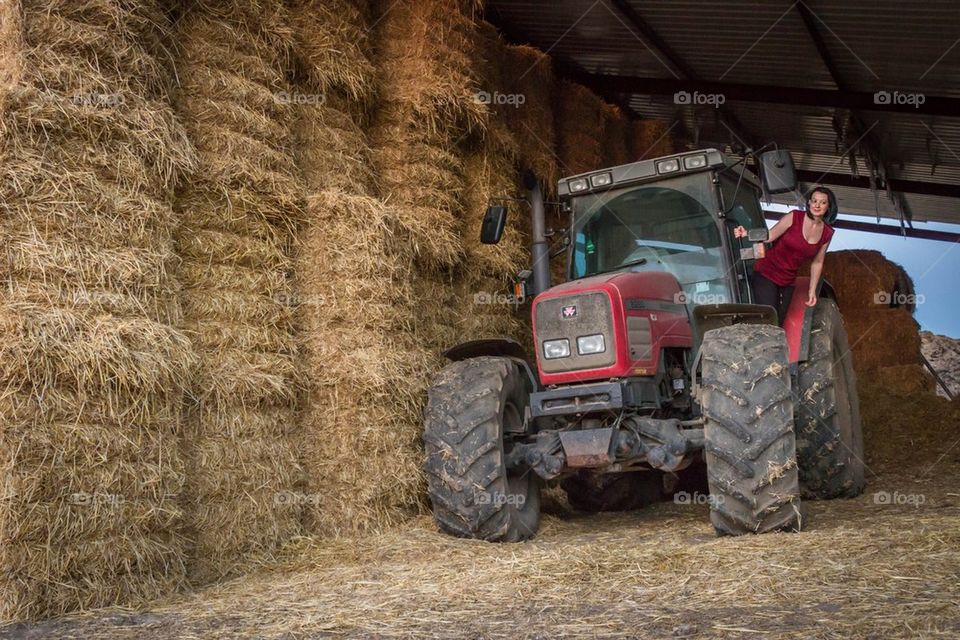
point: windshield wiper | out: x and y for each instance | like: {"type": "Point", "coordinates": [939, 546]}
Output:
{"type": "Point", "coordinates": [632, 263]}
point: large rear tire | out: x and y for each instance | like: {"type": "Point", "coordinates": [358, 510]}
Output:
{"type": "Point", "coordinates": [614, 491]}
{"type": "Point", "coordinates": [473, 409]}
{"type": "Point", "coordinates": [748, 430]}
{"type": "Point", "coordinates": [829, 436]}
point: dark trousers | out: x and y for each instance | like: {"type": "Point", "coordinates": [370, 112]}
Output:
{"type": "Point", "coordinates": [772, 295]}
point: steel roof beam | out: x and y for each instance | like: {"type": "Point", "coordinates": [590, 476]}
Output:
{"type": "Point", "coordinates": [903, 186]}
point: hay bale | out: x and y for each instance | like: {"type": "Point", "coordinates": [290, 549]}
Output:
{"type": "Point", "coordinates": [430, 111]}
{"type": "Point", "coordinates": [92, 368]}
{"type": "Point", "coordinates": [531, 124]}
{"type": "Point", "coordinates": [882, 338]}
{"type": "Point", "coordinates": [650, 138]}
{"type": "Point", "coordinates": [905, 380]}
{"type": "Point", "coordinates": [334, 46]}
{"type": "Point", "coordinates": [579, 122]}
{"type": "Point", "coordinates": [616, 137]}
{"type": "Point", "coordinates": [237, 221]}
{"type": "Point", "coordinates": [865, 279]}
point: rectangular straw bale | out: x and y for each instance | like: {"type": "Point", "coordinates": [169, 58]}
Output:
{"type": "Point", "coordinates": [650, 138]}
{"type": "Point", "coordinates": [882, 338]}
{"type": "Point", "coordinates": [615, 136]}
{"type": "Point", "coordinates": [578, 114]}
{"type": "Point", "coordinates": [529, 73]}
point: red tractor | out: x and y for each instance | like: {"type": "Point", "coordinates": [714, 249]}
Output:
{"type": "Point", "coordinates": [651, 361]}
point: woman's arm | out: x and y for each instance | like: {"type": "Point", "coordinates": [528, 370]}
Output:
{"type": "Point", "coordinates": [775, 232]}
{"type": "Point", "coordinates": [781, 227]}
{"type": "Point", "coordinates": [816, 269]}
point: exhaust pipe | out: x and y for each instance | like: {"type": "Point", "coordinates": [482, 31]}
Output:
{"type": "Point", "coordinates": [539, 250]}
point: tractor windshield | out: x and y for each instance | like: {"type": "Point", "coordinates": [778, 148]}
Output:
{"type": "Point", "coordinates": [666, 226]}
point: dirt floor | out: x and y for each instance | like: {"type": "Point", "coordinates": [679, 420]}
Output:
{"type": "Point", "coordinates": [886, 564]}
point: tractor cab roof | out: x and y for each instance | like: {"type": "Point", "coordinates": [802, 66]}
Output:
{"type": "Point", "coordinates": [652, 170]}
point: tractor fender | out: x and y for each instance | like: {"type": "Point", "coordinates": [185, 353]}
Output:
{"type": "Point", "coordinates": [501, 347]}
{"type": "Point", "coordinates": [799, 318]}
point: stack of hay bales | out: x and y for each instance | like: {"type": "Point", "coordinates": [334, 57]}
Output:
{"type": "Point", "coordinates": [237, 216]}
{"type": "Point", "coordinates": [483, 283]}
{"type": "Point", "coordinates": [650, 138]}
{"type": "Point", "coordinates": [91, 366]}
{"type": "Point", "coordinates": [616, 139]}
{"type": "Point", "coordinates": [528, 72]}
{"type": "Point", "coordinates": [873, 295]}
{"type": "Point", "coordinates": [579, 117]}
{"type": "Point", "coordinates": [359, 440]}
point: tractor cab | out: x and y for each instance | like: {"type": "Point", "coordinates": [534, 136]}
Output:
{"type": "Point", "coordinates": [674, 215]}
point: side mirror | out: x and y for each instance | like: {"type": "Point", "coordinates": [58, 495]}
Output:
{"type": "Point", "coordinates": [494, 220]}
{"type": "Point", "coordinates": [778, 172]}
{"type": "Point", "coordinates": [758, 235]}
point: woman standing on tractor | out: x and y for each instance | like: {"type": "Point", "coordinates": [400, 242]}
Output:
{"type": "Point", "coordinates": [797, 238]}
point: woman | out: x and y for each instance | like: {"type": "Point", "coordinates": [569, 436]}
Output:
{"type": "Point", "coordinates": [797, 237]}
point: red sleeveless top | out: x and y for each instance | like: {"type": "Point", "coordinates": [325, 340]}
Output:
{"type": "Point", "coordinates": [789, 252]}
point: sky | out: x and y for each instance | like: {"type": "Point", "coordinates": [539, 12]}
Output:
{"type": "Point", "coordinates": [934, 266]}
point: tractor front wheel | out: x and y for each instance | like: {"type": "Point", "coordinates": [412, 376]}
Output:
{"type": "Point", "coordinates": [829, 437]}
{"type": "Point", "coordinates": [748, 430]}
{"type": "Point", "coordinates": [475, 409]}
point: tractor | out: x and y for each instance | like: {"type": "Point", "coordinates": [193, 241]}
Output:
{"type": "Point", "coordinates": [652, 361]}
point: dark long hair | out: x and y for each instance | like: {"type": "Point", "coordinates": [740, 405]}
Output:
{"type": "Point", "coordinates": [832, 207]}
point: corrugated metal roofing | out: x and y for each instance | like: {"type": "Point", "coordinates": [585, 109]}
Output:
{"type": "Point", "coordinates": [876, 45]}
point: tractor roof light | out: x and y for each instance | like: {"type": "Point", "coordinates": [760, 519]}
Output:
{"type": "Point", "coordinates": [578, 185]}
{"type": "Point", "coordinates": [695, 162]}
{"type": "Point", "coordinates": [601, 179]}
{"type": "Point", "coordinates": [668, 166]}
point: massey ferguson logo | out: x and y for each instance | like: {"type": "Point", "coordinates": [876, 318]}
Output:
{"type": "Point", "coordinates": [569, 311]}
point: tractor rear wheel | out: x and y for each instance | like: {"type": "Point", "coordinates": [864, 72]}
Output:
{"type": "Point", "coordinates": [614, 491]}
{"type": "Point", "coordinates": [829, 437]}
{"type": "Point", "coordinates": [474, 409]}
{"type": "Point", "coordinates": [748, 430]}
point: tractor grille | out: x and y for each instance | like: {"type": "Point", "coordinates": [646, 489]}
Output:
{"type": "Point", "coordinates": [572, 317]}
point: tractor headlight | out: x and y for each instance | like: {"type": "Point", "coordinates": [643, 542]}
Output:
{"type": "Point", "coordinates": [575, 186]}
{"type": "Point", "coordinates": [556, 349]}
{"type": "Point", "coordinates": [668, 166]}
{"type": "Point", "coordinates": [590, 344]}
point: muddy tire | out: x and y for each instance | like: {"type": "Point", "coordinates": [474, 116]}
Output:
{"type": "Point", "coordinates": [470, 407]}
{"type": "Point", "coordinates": [829, 436]}
{"type": "Point", "coordinates": [614, 491]}
{"type": "Point", "coordinates": [748, 431]}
